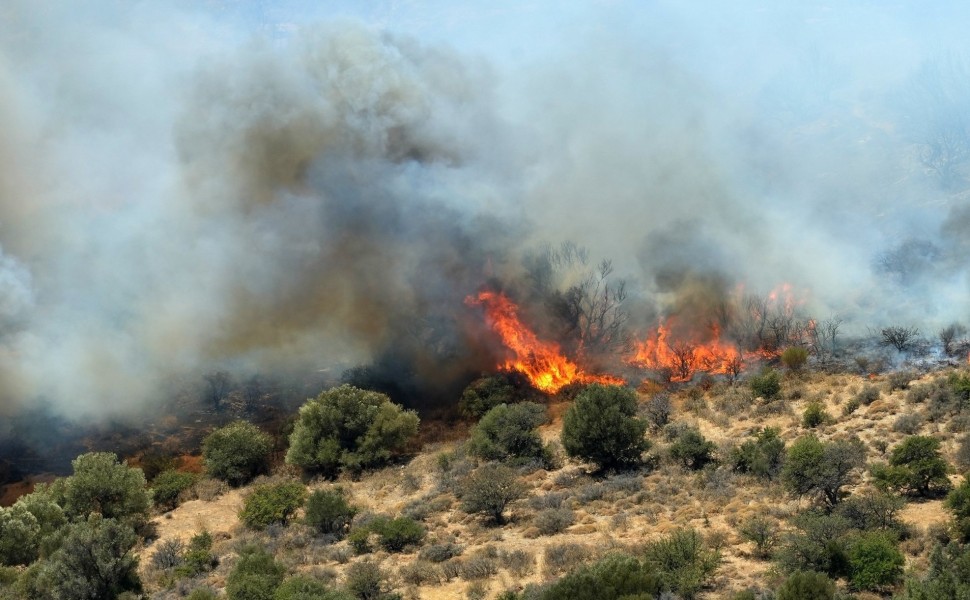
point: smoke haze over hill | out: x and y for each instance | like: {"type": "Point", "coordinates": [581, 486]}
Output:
{"type": "Point", "coordinates": [289, 187]}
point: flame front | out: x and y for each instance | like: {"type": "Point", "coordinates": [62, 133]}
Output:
{"type": "Point", "coordinates": [542, 362]}
{"type": "Point", "coordinates": [684, 358]}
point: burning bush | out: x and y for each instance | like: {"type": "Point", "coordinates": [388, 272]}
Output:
{"type": "Point", "coordinates": [602, 427]}
{"type": "Point", "coordinates": [349, 428]}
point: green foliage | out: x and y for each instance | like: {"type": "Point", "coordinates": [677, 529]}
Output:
{"type": "Point", "coordinates": [328, 512]}
{"type": "Point", "coordinates": [395, 535]}
{"type": "Point", "coordinates": [202, 593]}
{"type": "Point", "coordinates": [766, 384]}
{"type": "Point", "coordinates": [960, 384]}
{"type": "Point", "coordinates": [359, 540]}
{"type": "Point", "coordinates": [508, 433]}
{"type": "Point", "coordinates": [169, 485]}
{"type": "Point", "coordinates": [612, 578]}
{"type": "Point", "coordinates": [823, 468]}
{"type": "Point", "coordinates": [915, 467]}
{"type": "Point", "coordinates": [873, 510]}
{"type": "Point", "coordinates": [682, 561]}
{"type": "Point", "coordinates": [95, 560]}
{"type": "Point", "coordinates": [692, 450]}
{"type": "Point", "coordinates": [763, 532]}
{"type": "Point", "coordinates": [762, 456]}
{"type": "Point", "coordinates": [237, 452]}
{"type": "Point", "coordinates": [948, 577]}
{"type": "Point", "coordinates": [19, 536]}
{"type": "Point", "coordinates": [874, 561]}
{"type": "Point", "coordinates": [601, 427]}
{"type": "Point", "coordinates": [806, 585]}
{"type": "Point", "coordinates": [301, 587]}
{"type": "Point", "coordinates": [814, 415]}
{"type": "Point", "coordinates": [100, 484]}
{"type": "Point", "coordinates": [817, 542]}
{"type": "Point", "coordinates": [958, 501]}
{"type": "Point", "coordinates": [489, 490]}
{"type": "Point", "coordinates": [198, 557]}
{"type": "Point", "coordinates": [272, 504]}
{"type": "Point", "coordinates": [367, 581]}
{"type": "Point", "coordinates": [794, 358]}
{"type": "Point", "coordinates": [349, 428]}
{"type": "Point", "coordinates": [484, 394]}
{"type": "Point", "coordinates": [255, 576]}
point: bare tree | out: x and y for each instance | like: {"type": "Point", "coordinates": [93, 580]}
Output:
{"type": "Point", "coordinates": [217, 388]}
{"type": "Point", "coordinates": [823, 338]}
{"type": "Point", "coordinates": [898, 337]}
{"type": "Point", "coordinates": [685, 359]}
{"type": "Point", "coordinates": [949, 334]}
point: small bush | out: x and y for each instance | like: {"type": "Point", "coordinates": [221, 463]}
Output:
{"type": "Point", "coordinates": [560, 558]}
{"type": "Point", "coordinates": [168, 554]}
{"type": "Point", "coordinates": [867, 395]}
{"type": "Point", "coordinates": [908, 423]}
{"type": "Point", "coordinates": [420, 572]}
{"type": "Point", "coordinates": [198, 557]}
{"type": "Point", "coordinates": [794, 358]}
{"type": "Point", "coordinates": [359, 540]}
{"type": "Point", "coordinates": [272, 504]}
{"type": "Point", "coordinates": [351, 429]}
{"type": "Point", "coordinates": [328, 512]}
{"type": "Point", "coordinates": [850, 406]}
{"type": "Point", "coordinates": [814, 415]}
{"type": "Point", "coordinates": [397, 534]}
{"type": "Point", "coordinates": [479, 566]}
{"type": "Point", "coordinates": [692, 449]}
{"type": "Point", "coordinates": [438, 553]}
{"type": "Point", "coordinates": [484, 394]}
{"type": "Point", "coordinates": [806, 585]}
{"type": "Point", "coordinates": [766, 384]}
{"type": "Point", "coordinates": [203, 593]}
{"type": "Point", "coordinates": [823, 468]}
{"type": "Point", "coordinates": [553, 520]}
{"type": "Point", "coordinates": [508, 433]}
{"type": "Point", "coordinates": [900, 380]}
{"type": "Point", "coordinates": [302, 587]}
{"type": "Point", "coordinates": [236, 453]}
{"type": "Point", "coordinates": [874, 561]}
{"type": "Point", "coordinates": [963, 453]}
{"type": "Point", "coordinates": [519, 563]}
{"type": "Point", "coordinates": [367, 581]}
{"type": "Point", "coordinates": [168, 486]}
{"type": "Point", "coordinates": [762, 456]}
{"type": "Point", "coordinates": [490, 489]}
{"type": "Point", "coordinates": [615, 577]}
{"type": "Point", "coordinates": [658, 409]}
{"type": "Point", "coordinates": [601, 427]}
{"type": "Point", "coordinates": [255, 576]}
{"type": "Point", "coordinates": [763, 532]}
{"type": "Point", "coordinates": [682, 561]}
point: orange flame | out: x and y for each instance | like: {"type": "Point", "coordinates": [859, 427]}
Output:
{"type": "Point", "coordinates": [683, 358]}
{"type": "Point", "coordinates": [542, 362]}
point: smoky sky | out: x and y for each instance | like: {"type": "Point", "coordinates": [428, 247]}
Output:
{"type": "Point", "coordinates": [260, 186]}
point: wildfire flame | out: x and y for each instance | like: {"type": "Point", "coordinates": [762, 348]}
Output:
{"type": "Point", "coordinates": [683, 358]}
{"type": "Point", "coordinates": [542, 362]}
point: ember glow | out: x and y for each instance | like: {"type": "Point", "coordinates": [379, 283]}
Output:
{"type": "Point", "coordinates": [542, 362]}
{"type": "Point", "coordinates": [684, 357]}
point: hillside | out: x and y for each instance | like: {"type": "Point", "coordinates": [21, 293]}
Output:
{"type": "Point", "coordinates": [618, 511]}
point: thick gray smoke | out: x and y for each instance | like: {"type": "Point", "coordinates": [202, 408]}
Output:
{"type": "Point", "coordinates": [183, 191]}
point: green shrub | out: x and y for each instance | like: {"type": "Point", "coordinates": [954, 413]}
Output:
{"type": "Point", "coordinates": [766, 384]}
{"type": "Point", "coordinates": [508, 433]}
{"type": "Point", "coordinates": [762, 456]}
{"type": "Point", "coordinates": [551, 521]}
{"type": "Point", "coordinates": [958, 501]}
{"type": "Point", "coordinates": [489, 490]}
{"type": "Point", "coordinates": [100, 484]}
{"type": "Point", "coordinates": [822, 468]}
{"type": "Point", "coordinates": [814, 415]}
{"type": "Point", "coordinates": [915, 467]}
{"type": "Point", "coordinates": [169, 485]}
{"type": "Point", "coordinates": [359, 540]}
{"type": "Point", "coordinates": [692, 450]}
{"type": "Point", "coordinates": [367, 581]}
{"type": "Point", "coordinates": [272, 504]}
{"type": "Point", "coordinates": [198, 557]}
{"type": "Point", "coordinates": [397, 534]}
{"type": "Point", "coordinates": [612, 578]}
{"type": "Point", "coordinates": [349, 428]}
{"type": "Point", "coordinates": [794, 358]}
{"type": "Point", "coordinates": [763, 532]}
{"type": "Point", "coordinates": [301, 587]}
{"type": "Point", "coordinates": [95, 560]}
{"type": "Point", "coordinates": [806, 585]}
{"type": "Point", "coordinates": [601, 427]}
{"type": "Point", "coordinates": [255, 576]}
{"type": "Point", "coordinates": [328, 512]}
{"type": "Point", "coordinates": [19, 536]}
{"type": "Point", "coordinates": [236, 453]}
{"type": "Point", "coordinates": [874, 562]}
{"type": "Point", "coordinates": [683, 561]}
{"type": "Point", "coordinates": [484, 394]}
{"type": "Point", "coordinates": [202, 593]}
